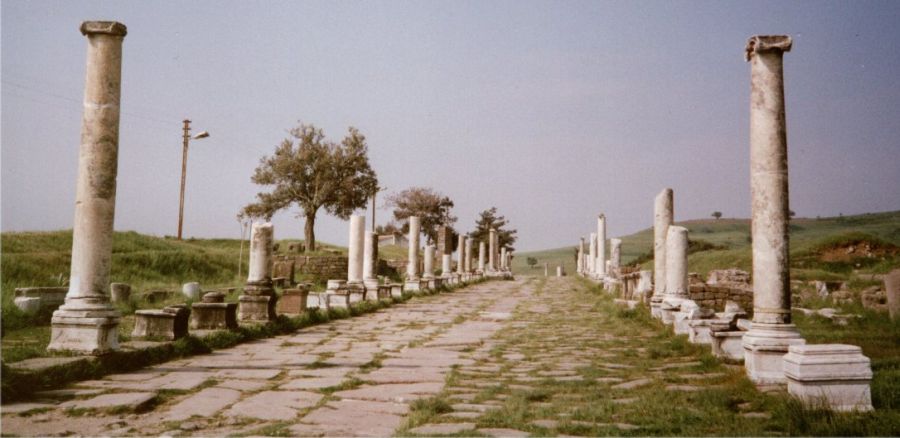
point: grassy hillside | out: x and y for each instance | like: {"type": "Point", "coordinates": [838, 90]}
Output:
{"type": "Point", "coordinates": [810, 238]}
{"type": "Point", "coordinates": [145, 262]}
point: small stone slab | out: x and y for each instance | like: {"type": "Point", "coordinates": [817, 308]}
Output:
{"type": "Point", "coordinates": [462, 415]}
{"type": "Point", "coordinates": [130, 400]}
{"type": "Point", "coordinates": [632, 384]}
{"type": "Point", "coordinates": [609, 379]}
{"type": "Point", "coordinates": [471, 407]}
{"type": "Point", "coordinates": [546, 424]}
{"type": "Point", "coordinates": [442, 429]}
{"type": "Point", "coordinates": [66, 393]}
{"type": "Point", "coordinates": [497, 432]}
{"type": "Point", "coordinates": [677, 365]}
{"type": "Point", "coordinates": [685, 388]}
{"type": "Point", "coordinates": [274, 405]}
{"type": "Point", "coordinates": [616, 366]}
{"type": "Point", "coordinates": [18, 408]}
{"type": "Point", "coordinates": [312, 383]}
{"type": "Point", "coordinates": [624, 401]}
{"type": "Point", "coordinates": [203, 404]}
{"type": "Point", "coordinates": [244, 385]}
{"type": "Point", "coordinates": [40, 363]}
{"type": "Point", "coordinates": [401, 392]}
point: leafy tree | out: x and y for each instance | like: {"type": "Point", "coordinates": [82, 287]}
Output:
{"type": "Point", "coordinates": [717, 215]}
{"type": "Point", "coordinates": [531, 262]}
{"type": "Point", "coordinates": [432, 208]}
{"type": "Point", "coordinates": [313, 173]}
{"type": "Point", "coordinates": [489, 219]}
{"type": "Point", "coordinates": [388, 228]}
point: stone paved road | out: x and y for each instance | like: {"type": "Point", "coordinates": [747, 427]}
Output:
{"type": "Point", "coordinates": [351, 377]}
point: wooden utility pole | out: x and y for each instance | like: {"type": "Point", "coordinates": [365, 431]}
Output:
{"type": "Point", "coordinates": [184, 153]}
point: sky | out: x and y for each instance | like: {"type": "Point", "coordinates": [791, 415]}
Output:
{"type": "Point", "coordinates": [551, 111]}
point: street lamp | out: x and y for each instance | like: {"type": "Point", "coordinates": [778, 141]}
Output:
{"type": "Point", "coordinates": [184, 154]}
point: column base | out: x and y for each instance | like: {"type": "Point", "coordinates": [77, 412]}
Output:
{"type": "Point", "coordinates": [764, 348]}
{"type": "Point", "coordinates": [259, 308]}
{"type": "Point", "coordinates": [92, 331]}
{"type": "Point", "coordinates": [371, 285]}
{"type": "Point", "coordinates": [412, 285]}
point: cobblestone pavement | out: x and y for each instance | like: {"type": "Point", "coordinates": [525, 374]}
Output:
{"type": "Point", "coordinates": [350, 377]}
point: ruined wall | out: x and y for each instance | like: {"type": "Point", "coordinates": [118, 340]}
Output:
{"type": "Point", "coordinates": [714, 297]}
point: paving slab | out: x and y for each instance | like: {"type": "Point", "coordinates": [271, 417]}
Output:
{"type": "Point", "coordinates": [442, 428]}
{"type": "Point", "coordinates": [499, 432]}
{"type": "Point", "coordinates": [205, 403]}
{"type": "Point", "coordinates": [274, 405]}
{"type": "Point", "coordinates": [128, 400]}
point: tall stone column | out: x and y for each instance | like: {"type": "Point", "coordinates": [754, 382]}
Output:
{"type": "Point", "coordinates": [601, 246]}
{"type": "Point", "coordinates": [615, 253]}
{"type": "Point", "coordinates": [771, 332]}
{"type": "Point", "coordinates": [663, 215]}
{"type": "Point", "coordinates": [355, 259]}
{"type": "Point", "coordinates": [469, 254]}
{"type": "Point", "coordinates": [370, 256]}
{"type": "Point", "coordinates": [446, 265]}
{"type": "Point", "coordinates": [482, 249]}
{"type": "Point", "coordinates": [503, 260]}
{"type": "Point", "coordinates": [492, 250]}
{"type": "Point", "coordinates": [258, 300]}
{"type": "Point", "coordinates": [412, 266]}
{"type": "Point", "coordinates": [461, 254]}
{"type": "Point", "coordinates": [579, 262]}
{"type": "Point", "coordinates": [592, 255]}
{"type": "Point", "coordinates": [87, 322]}
{"type": "Point", "coordinates": [429, 262]}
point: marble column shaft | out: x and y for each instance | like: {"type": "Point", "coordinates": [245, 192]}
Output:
{"type": "Point", "coordinates": [492, 250]}
{"type": "Point", "coordinates": [370, 256]}
{"type": "Point", "coordinates": [429, 262]}
{"type": "Point", "coordinates": [601, 245]}
{"type": "Point", "coordinates": [461, 254]}
{"type": "Point", "coordinates": [87, 322]}
{"type": "Point", "coordinates": [482, 249]}
{"type": "Point", "coordinates": [592, 254]}
{"type": "Point", "coordinates": [262, 242]}
{"type": "Point", "coordinates": [676, 263]}
{"type": "Point", "coordinates": [355, 250]}
{"type": "Point", "coordinates": [663, 214]}
{"type": "Point", "coordinates": [469, 254]}
{"type": "Point", "coordinates": [412, 266]}
{"type": "Point", "coordinates": [615, 253]}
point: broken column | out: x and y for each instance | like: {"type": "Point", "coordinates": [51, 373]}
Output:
{"type": "Point", "coordinates": [259, 299]}
{"type": "Point", "coordinates": [676, 273]}
{"type": "Point", "coordinates": [772, 332]}
{"type": "Point", "coordinates": [412, 264]}
{"type": "Point", "coordinates": [503, 259]}
{"type": "Point", "coordinates": [892, 292]}
{"type": "Point", "coordinates": [370, 265]}
{"type": "Point", "coordinates": [482, 249]}
{"type": "Point", "coordinates": [600, 270]}
{"type": "Point", "coordinates": [615, 254]}
{"type": "Point", "coordinates": [662, 219]}
{"type": "Point", "coordinates": [87, 322]}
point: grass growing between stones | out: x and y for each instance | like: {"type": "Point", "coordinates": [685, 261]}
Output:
{"type": "Point", "coordinates": [572, 362]}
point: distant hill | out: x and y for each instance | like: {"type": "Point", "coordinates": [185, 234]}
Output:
{"type": "Point", "coordinates": [810, 237]}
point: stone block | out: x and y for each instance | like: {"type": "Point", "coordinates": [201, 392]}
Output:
{"type": "Point", "coordinates": [119, 292]}
{"type": "Point", "coordinates": [182, 318]}
{"type": "Point", "coordinates": [396, 289]}
{"type": "Point", "coordinates": [191, 291]}
{"type": "Point", "coordinates": [50, 297]}
{"type": "Point", "coordinates": [834, 374]}
{"type": "Point", "coordinates": [256, 307]}
{"type": "Point", "coordinates": [213, 316]}
{"type": "Point", "coordinates": [293, 301]}
{"type": "Point", "coordinates": [28, 305]}
{"type": "Point", "coordinates": [384, 291]}
{"type": "Point", "coordinates": [92, 332]}
{"type": "Point", "coordinates": [728, 345]}
{"type": "Point", "coordinates": [154, 324]}
{"type": "Point", "coordinates": [412, 285]}
{"type": "Point", "coordinates": [338, 299]}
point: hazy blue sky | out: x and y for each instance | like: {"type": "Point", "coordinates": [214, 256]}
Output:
{"type": "Point", "coordinates": [550, 111]}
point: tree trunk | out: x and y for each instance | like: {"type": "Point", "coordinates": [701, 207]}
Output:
{"type": "Point", "coordinates": [309, 233]}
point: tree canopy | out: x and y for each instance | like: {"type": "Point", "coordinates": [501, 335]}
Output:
{"type": "Point", "coordinates": [488, 219]}
{"type": "Point", "coordinates": [432, 208]}
{"type": "Point", "coordinates": [314, 173]}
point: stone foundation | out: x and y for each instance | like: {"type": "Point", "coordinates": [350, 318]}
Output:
{"type": "Point", "coordinates": [213, 316]}
{"type": "Point", "coordinates": [293, 301]}
{"type": "Point", "coordinates": [834, 374]}
{"type": "Point", "coordinates": [92, 332]}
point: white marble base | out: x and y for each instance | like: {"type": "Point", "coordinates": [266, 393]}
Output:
{"type": "Point", "coordinates": [764, 348]}
{"type": "Point", "coordinates": [834, 374]}
{"type": "Point", "coordinates": [729, 345]}
{"type": "Point", "coordinates": [92, 331]}
{"type": "Point", "coordinates": [412, 285]}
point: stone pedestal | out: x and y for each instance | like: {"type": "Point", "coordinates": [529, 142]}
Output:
{"type": "Point", "coordinates": [338, 299]}
{"type": "Point", "coordinates": [256, 308]}
{"type": "Point", "coordinates": [396, 290]}
{"type": "Point", "coordinates": [191, 291]}
{"type": "Point", "coordinates": [170, 323]}
{"type": "Point", "coordinates": [213, 316]}
{"type": "Point", "coordinates": [412, 285]}
{"type": "Point", "coordinates": [87, 322]}
{"type": "Point", "coordinates": [764, 348]}
{"type": "Point", "coordinates": [371, 285]}
{"type": "Point", "coordinates": [293, 301]}
{"type": "Point", "coordinates": [728, 345]}
{"type": "Point", "coordinates": [833, 374]}
{"type": "Point", "coordinates": [384, 292]}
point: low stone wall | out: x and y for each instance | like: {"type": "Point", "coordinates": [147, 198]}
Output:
{"type": "Point", "coordinates": [324, 268]}
{"type": "Point", "coordinates": [714, 297]}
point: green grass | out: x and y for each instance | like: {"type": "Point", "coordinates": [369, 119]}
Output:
{"type": "Point", "coordinates": [144, 262]}
{"type": "Point", "coordinates": [731, 241]}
